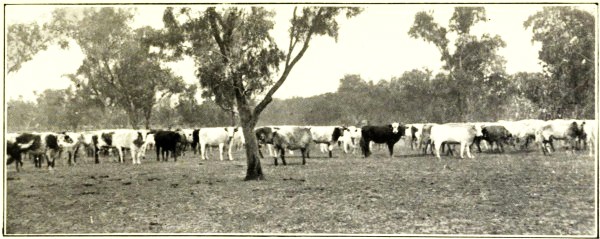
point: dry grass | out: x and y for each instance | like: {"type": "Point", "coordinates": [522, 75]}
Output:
{"type": "Point", "coordinates": [514, 193]}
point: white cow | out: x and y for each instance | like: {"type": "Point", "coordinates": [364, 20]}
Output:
{"type": "Point", "coordinates": [216, 136]}
{"type": "Point", "coordinates": [455, 133]}
{"type": "Point", "coordinates": [560, 129]}
{"type": "Point", "coordinates": [128, 138]}
{"type": "Point", "coordinates": [238, 140]}
{"type": "Point", "coordinates": [351, 139]}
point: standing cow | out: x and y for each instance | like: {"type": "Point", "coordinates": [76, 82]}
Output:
{"type": "Point", "coordinates": [463, 134]}
{"type": "Point", "coordinates": [567, 130]}
{"type": "Point", "coordinates": [217, 136]}
{"type": "Point", "coordinates": [387, 134]}
{"type": "Point", "coordinates": [291, 138]}
{"type": "Point", "coordinates": [165, 142]}
{"type": "Point", "coordinates": [128, 139]}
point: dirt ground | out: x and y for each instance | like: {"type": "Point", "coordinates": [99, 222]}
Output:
{"type": "Point", "coordinates": [517, 193]}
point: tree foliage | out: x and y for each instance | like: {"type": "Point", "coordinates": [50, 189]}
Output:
{"type": "Point", "coordinates": [567, 35]}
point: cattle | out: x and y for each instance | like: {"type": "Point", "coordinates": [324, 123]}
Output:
{"type": "Point", "coordinates": [264, 137]}
{"type": "Point", "coordinates": [464, 134]}
{"type": "Point", "coordinates": [291, 138]}
{"type": "Point", "coordinates": [523, 131]}
{"type": "Point", "coordinates": [216, 136]}
{"type": "Point", "coordinates": [386, 134]}
{"type": "Point", "coordinates": [183, 140]}
{"type": "Point", "coordinates": [495, 134]}
{"type": "Point", "coordinates": [326, 136]}
{"type": "Point", "coordinates": [415, 134]}
{"type": "Point", "coordinates": [567, 130]}
{"type": "Point", "coordinates": [590, 128]}
{"type": "Point", "coordinates": [350, 138]}
{"type": "Point", "coordinates": [425, 140]}
{"type": "Point", "coordinates": [165, 142]}
{"type": "Point", "coordinates": [238, 140]}
{"type": "Point", "coordinates": [14, 151]}
{"type": "Point", "coordinates": [128, 139]}
{"type": "Point", "coordinates": [42, 146]}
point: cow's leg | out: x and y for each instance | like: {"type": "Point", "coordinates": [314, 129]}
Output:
{"type": "Point", "coordinates": [500, 146]}
{"type": "Point", "coordinates": [260, 151]}
{"type": "Point", "coordinates": [438, 146]}
{"type": "Point", "coordinates": [133, 155]}
{"type": "Point", "coordinates": [229, 148]}
{"type": "Point", "coordinates": [463, 145]}
{"type": "Point", "coordinates": [203, 151]}
{"type": "Point", "coordinates": [391, 149]}
{"type": "Point", "coordinates": [303, 152]}
{"type": "Point", "coordinates": [157, 153]}
{"type": "Point", "coordinates": [330, 148]}
{"type": "Point", "coordinates": [221, 145]}
{"type": "Point", "coordinates": [175, 154]}
{"type": "Point", "coordinates": [468, 150]}
{"type": "Point", "coordinates": [591, 146]}
{"type": "Point", "coordinates": [283, 156]}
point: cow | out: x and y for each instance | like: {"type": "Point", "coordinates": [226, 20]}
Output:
{"type": "Point", "coordinates": [386, 134]}
{"type": "Point", "coordinates": [589, 128]}
{"type": "Point", "coordinates": [127, 139]}
{"type": "Point", "coordinates": [166, 141]}
{"type": "Point", "coordinates": [425, 140]}
{"type": "Point", "coordinates": [216, 136]}
{"type": "Point", "coordinates": [291, 138]}
{"type": "Point", "coordinates": [350, 138]}
{"type": "Point", "coordinates": [43, 146]}
{"type": "Point", "coordinates": [523, 131]}
{"type": "Point", "coordinates": [264, 137]}
{"type": "Point", "coordinates": [464, 134]}
{"type": "Point", "coordinates": [184, 140]}
{"type": "Point", "coordinates": [496, 134]}
{"type": "Point", "coordinates": [238, 140]}
{"type": "Point", "coordinates": [326, 136]}
{"type": "Point", "coordinates": [415, 134]}
{"type": "Point", "coordinates": [14, 151]}
{"type": "Point", "coordinates": [567, 130]}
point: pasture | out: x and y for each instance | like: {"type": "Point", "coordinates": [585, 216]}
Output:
{"type": "Point", "coordinates": [517, 193]}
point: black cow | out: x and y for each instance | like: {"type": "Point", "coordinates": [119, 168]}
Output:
{"type": "Point", "coordinates": [388, 134]}
{"type": "Point", "coordinates": [14, 151]}
{"type": "Point", "coordinates": [166, 141]}
{"type": "Point", "coordinates": [496, 134]}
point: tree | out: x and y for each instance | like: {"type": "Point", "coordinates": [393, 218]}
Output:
{"type": "Point", "coordinates": [567, 35]}
{"type": "Point", "coordinates": [472, 63]}
{"type": "Point", "coordinates": [237, 59]}
{"type": "Point", "coordinates": [20, 115]}
{"type": "Point", "coordinates": [118, 69]}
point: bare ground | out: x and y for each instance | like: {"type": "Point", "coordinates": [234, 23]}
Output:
{"type": "Point", "coordinates": [518, 193]}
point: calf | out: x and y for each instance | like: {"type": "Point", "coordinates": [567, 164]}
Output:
{"type": "Point", "coordinates": [291, 138]}
{"type": "Point", "coordinates": [217, 136]}
{"type": "Point", "coordinates": [326, 136]}
{"type": "Point", "coordinates": [388, 134]}
{"type": "Point", "coordinates": [464, 134]}
{"type": "Point", "coordinates": [165, 142]}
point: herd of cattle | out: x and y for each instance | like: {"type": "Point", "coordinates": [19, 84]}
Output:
{"type": "Point", "coordinates": [50, 146]}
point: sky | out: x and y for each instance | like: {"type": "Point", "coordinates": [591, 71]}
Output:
{"type": "Point", "coordinates": [375, 45]}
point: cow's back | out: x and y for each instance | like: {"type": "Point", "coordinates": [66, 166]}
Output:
{"type": "Point", "coordinates": [453, 133]}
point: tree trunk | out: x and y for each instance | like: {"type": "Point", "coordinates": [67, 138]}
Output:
{"type": "Point", "coordinates": [248, 121]}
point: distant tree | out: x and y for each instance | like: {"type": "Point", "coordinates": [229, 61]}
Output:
{"type": "Point", "coordinates": [119, 69]}
{"type": "Point", "coordinates": [568, 51]}
{"type": "Point", "coordinates": [236, 58]}
{"type": "Point", "coordinates": [21, 115]}
{"type": "Point", "coordinates": [473, 61]}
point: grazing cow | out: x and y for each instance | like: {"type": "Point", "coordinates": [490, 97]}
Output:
{"type": "Point", "coordinates": [45, 145]}
{"type": "Point", "coordinates": [165, 142]}
{"type": "Point", "coordinates": [184, 140]}
{"type": "Point", "coordinates": [264, 136]}
{"type": "Point", "coordinates": [523, 131]}
{"type": "Point", "coordinates": [129, 139]}
{"type": "Point", "coordinates": [495, 134]}
{"type": "Point", "coordinates": [464, 134]}
{"type": "Point", "coordinates": [291, 138]}
{"type": "Point", "coordinates": [326, 136]}
{"type": "Point", "coordinates": [388, 134]}
{"type": "Point", "coordinates": [216, 136]}
{"type": "Point", "coordinates": [567, 130]}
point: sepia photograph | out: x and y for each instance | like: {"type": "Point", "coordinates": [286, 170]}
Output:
{"type": "Point", "coordinates": [346, 119]}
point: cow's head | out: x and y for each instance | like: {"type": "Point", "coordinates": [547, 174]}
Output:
{"type": "Point", "coordinates": [230, 132]}
{"type": "Point", "coordinates": [478, 130]}
{"type": "Point", "coordinates": [395, 127]}
{"type": "Point", "coordinates": [105, 140]}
